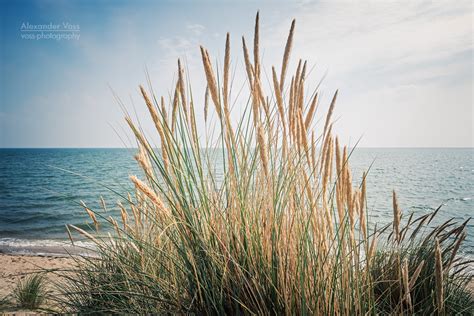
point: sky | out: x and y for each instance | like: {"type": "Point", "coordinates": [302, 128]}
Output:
{"type": "Point", "coordinates": [404, 69]}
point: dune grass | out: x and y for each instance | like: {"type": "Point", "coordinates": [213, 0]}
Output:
{"type": "Point", "coordinates": [265, 218]}
{"type": "Point", "coordinates": [4, 303]}
{"type": "Point", "coordinates": [30, 293]}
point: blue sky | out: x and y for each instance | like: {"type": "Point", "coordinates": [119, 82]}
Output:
{"type": "Point", "coordinates": [404, 69]}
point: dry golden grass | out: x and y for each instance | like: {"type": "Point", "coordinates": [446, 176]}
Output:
{"type": "Point", "coordinates": [278, 227]}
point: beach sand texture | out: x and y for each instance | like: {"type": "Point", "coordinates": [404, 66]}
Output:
{"type": "Point", "coordinates": [15, 267]}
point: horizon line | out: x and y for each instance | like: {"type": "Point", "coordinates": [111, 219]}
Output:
{"type": "Point", "coordinates": [357, 147]}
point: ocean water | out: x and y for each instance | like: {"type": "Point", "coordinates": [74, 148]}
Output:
{"type": "Point", "coordinates": [40, 188]}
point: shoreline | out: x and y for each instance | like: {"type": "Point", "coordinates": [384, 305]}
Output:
{"type": "Point", "coordinates": [44, 247]}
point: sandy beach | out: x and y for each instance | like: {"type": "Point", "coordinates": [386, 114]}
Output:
{"type": "Point", "coordinates": [16, 267]}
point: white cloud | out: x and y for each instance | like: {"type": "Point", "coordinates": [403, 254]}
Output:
{"type": "Point", "coordinates": [196, 29]}
{"type": "Point", "coordinates": [349, 36]}
{"type": "Point", "coordinates": [402, 68]}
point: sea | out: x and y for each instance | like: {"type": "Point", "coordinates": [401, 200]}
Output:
{"type": "Point", "coordinates": [41, 189]}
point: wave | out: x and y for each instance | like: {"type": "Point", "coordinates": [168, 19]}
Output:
{"type": "Point", "coordinates": [45, 247]}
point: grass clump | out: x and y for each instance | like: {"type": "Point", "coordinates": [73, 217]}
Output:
{"type": "Point", "coordinates": [260, 215]}
{"type": "Point", "coordinates": [30, 293]}
{"type": "Point", "coordinates": [419, 271]}
{"type": "Point", "coordinates": [4, 303]}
